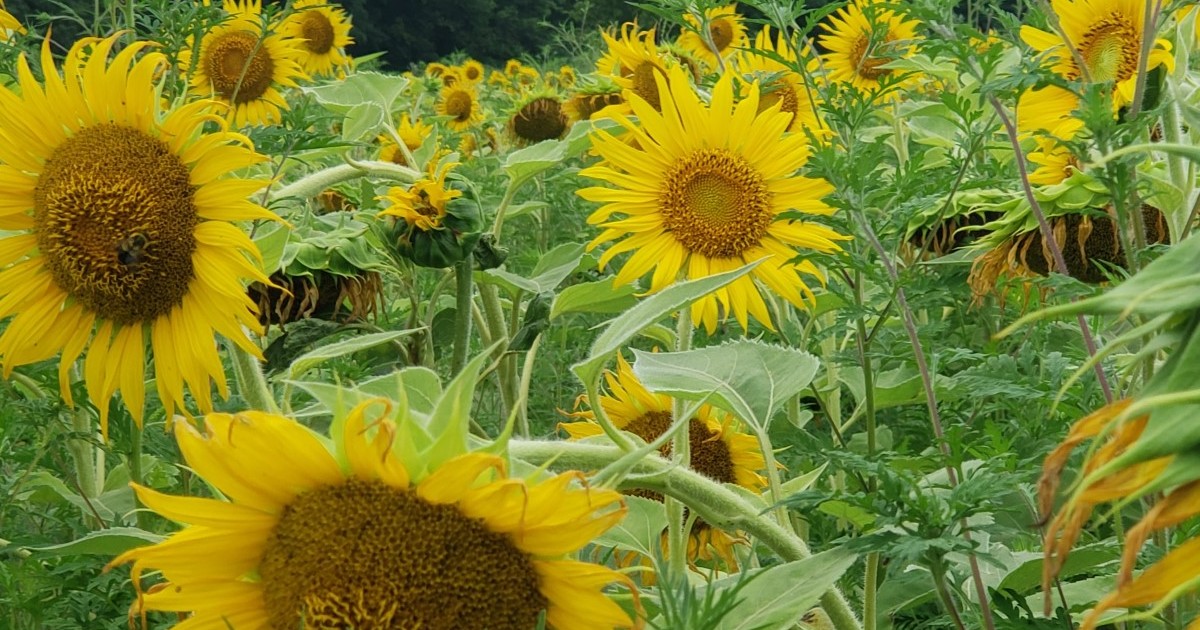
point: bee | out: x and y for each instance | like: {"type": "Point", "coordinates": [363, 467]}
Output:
{"type": "Point", "coordinates": [131, 251]}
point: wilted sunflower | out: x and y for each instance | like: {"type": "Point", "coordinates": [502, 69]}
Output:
{"type": "Point", "coordinates": [718, 450]}
{"type": "Point", "coordinates": [703, 192]}
{"type": "Point", "coordinates": [783, 84]}
{"type": "Point", "coordinates": [359, 538]}
{"type": "Point", "coordinates": [244, 66]}
{"type": "Point", "coordinates": [117, 219]}
{"type": "Point", "coordinates": [861, 37]}
{"type": "Point", "coordinates": [1107, 35]}
{"type": "Point", "coordinates": [323, 29]}
{"type": "Point", "coordinates": [726, 29]}
{"type": "Point", "coordinates": [422, 205]}
{"type": "Point", "coordinates": [462, 105]}
{"type": "Point", "coordinates": [538, 117]}
{"type": "Point", "coordinates": [413, 135]}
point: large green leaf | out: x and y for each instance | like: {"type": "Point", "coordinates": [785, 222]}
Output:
{"type": "Point", "coordinates": [641, 529]}
{"type": "Point", "coordinates": [593, 297]}
{"type": "Point", "coordinates": [106, 542]}
{"type": "Point", "coordinates": [749, 379]}
{"type": "Point", "coordinates": [551, 270]}
{"type": "Point", "coordinates": [525, 163]}
{"type": "Point", "coordinates": [312, 359]}
{"type": "Point", "coordinates": [778, 596]}
{"type": "Point", "coordinates": [647, 313]}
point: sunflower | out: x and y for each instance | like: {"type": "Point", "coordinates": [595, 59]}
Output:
{"type": "Point", "coordinates": [412, 134]}
{"type": "Point", "coordinates": [718, 450]}
{"type": "Point", "coordinates": [725, 28]}
{"type": "Point", "coordinates": [538, 117]}
{"type": "Point", "coordinates": [422, 205]}
{"type": "Point", "coordinates": [512, 67]}
{"type": "Point", "coordinates": [776, 63]}
{"type": "Point", "coordinates": [703, 192]}
{"type": "Point", "coordinates": [1107, 35]}
{"type": "Point", "coordinates": [471, 71]}
{"type": "Point", "coordinates": [585, 103]}
{"type": "Point", "coordinates": [861, 37]}
{"type": "Point", "coordinates": [360, 538]}
{"type": "Point", "coordinates": [243, 66]}
{"type": "Point", "coordinates": [635, 61]}
{"type": "Point", "coordinates": [323, 29]}
{"type": "Point", "coordinates": [567, 76]}
{"type": "Point", "coordinates": [435, 69]}
{"type": "Point", "coordinates": [1054, 163]}
{"type": "Point", "coordinates": [117, 230]}
{"type": "Point", "coordinates": [461, 104]}
{"type": "Point", "coordinates": [8, 24]}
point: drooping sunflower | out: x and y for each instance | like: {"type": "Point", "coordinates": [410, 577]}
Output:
{"type": "Point", "coordinates": [537, 117]}
{"type": "Point", "coordinates": [323, 30]}
{"type": "Point", "coordinates": [719, 450]}
{"type": "Point", "coordinates": [725, 28]}
{"type": "Point", "coordinates": [783, 84]}
{"type": "Point", "coordinates": [240, 64]}
{"type": "Point", "coordinates": [861, 37]}
{"type": "Point", "coordinates": [118, 216]}
{"type": "Point", "coordinates": [360, 538]}
{"type": "Point", "coordinates": [1107, 35]}
{"type": "Point", "coordinates": [461, 103]}
{"type": "Point", "coordinates": [413, 135]}
{"type": "Point", "coordinates": [422, 205]}
{"type": "Point", "coordinates": [702, 193]}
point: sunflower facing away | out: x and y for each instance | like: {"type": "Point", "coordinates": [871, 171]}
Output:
{"type": "Point", "coordinates": [360, 538]}
{"type": "Point", "coordinates": [718, 450]}
{"type": "Point", "coordinates": [537, 117]}
{"type": "Point", "coordinates": [861, 37]}
{"type": "Point", "coordinates": [423, 205]}
{"type": "Point", "coordinates": [118, 217]}
{"type": "Point", "coordinates": [702, 192]}
{"type": "Point", "coordinates": [323, 30]}
{"type": "Point", "coordinates": [243, 66]}
{"type": "Point", "coordinates": [1107, 35]}
{"type": "Point", "coordinates": [726, 29]}
{"type": "Point", "coordinates": [461, 104]}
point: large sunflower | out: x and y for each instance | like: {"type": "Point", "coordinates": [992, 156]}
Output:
{"type": "Point", "coordinates": [1107, 36]}
{"type": "Point", "coordinates": [776, 63]}
{"type": "Point", "coordinates": [358, 538]}
{"type": "Point", "coordinates": [861, 37]}
{"type": "Point", "coordinates": [461, 104]}
{"type": "Point", "coordinates": [117, 217]}
{"type": "Point", "coordinates": [243, 64]}
{"type": "Point", "coordinates": [719, 450]}
{"type": "Point", "coordinates": [323, 30]}
{"type": "Point", "coordinates": [725, 28]}
{"type": "Point", "coordinates": [703, 191]}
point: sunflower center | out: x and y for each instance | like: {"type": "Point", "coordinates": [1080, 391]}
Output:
{"type": "Point", "coordinates": [715, 203]}
{"type": "Point", "coordinates": [316, 28]}
{"type": "Point", "coordinates": [459, 105]}
{"type": "Point", "coordinates": [1110, 49]}
{"type": "Point", "coordinates": [783, 93]}
{"type": "Point", "coordinates": [239, 66]}
{"type": "Point", "coordinates": [366, 555]}
{"type": "Point", "coordinates": [473, 73]}
{"type": "Point", "coordinates": [721, 31]}
{"type": "Point", "coordinates": [865, 64]}
{"type": "Point", "coordinates": [644, 84]}
{"type": "Point", "coordinates": [541, 119]}
{"type": "Point", "coordinates": [114, 214]}
{"type": "Point", "coordinates": [710, 454]}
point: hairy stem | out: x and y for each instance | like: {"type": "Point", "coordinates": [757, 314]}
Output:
{"type": "Point", "coordinates": [463, 298]}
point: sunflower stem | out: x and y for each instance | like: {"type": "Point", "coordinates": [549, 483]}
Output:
{"type": "Point", "coordinates": [681, 453]}
{"type": "Point", "coordinates": [83, 451]}
{"type": "Point", "coordinates": [313, 184]}
{"type": "Point", "coordinates": [502, 209]}
{"type": "Point", "coordinates": [494, 315]}
{"type": "Point", "coordinates": [870, 590]}
{"type": "Point", "coordinates": [136, 447]}
{"type": "Point", "coordinates": [252, 384]}
{"type": "Point", "coordinates": [464, 296]}
{"type": "Point", "coordinates": [716, 504]}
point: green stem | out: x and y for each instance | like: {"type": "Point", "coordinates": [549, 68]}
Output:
{"type": "Point", "coordinates": [870, 591]}
{"type": "Point", "coordinates": [135, 468]}
{"type": "Point", "coordinates": [716, 504]}
{"type": "Point", "coordinates": [464, 294]}
{"type": "Point", "coordinates": [313, 184]}
{"type": "Point", "coordinates": [681, 453]}
{"type": "Point", "coordinates": [943, 592]}
{"type": "Point", "coordinates": [82, 448]}
{"type": "Point", "coordinates": [509, 193]}
{"type": "Point", "coordinates": [498, 329]}
{"type": "Point", "coordinates": [252, 384]}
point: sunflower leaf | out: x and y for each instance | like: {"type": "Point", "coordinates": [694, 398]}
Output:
{"type": "Point", "coordinates": [312, 359]}
{"type": "Point", "coordinates": [647, 312]}
{"type": "Point", "coordinates": [749, 379]}
{"type": "Point", "coordinates": [105, 542]}
{"type": "Point", "coordinates": [641, 529]}
{"type": "Point", "coordinates": [778, 596]}
{"type": "Point", "coordinates": [593, 297]}
{"type": "Point", "coordinates": [451, 420]}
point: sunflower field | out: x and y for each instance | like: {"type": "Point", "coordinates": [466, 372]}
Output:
{"type": "Point", "coordinates": [851, 316]}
